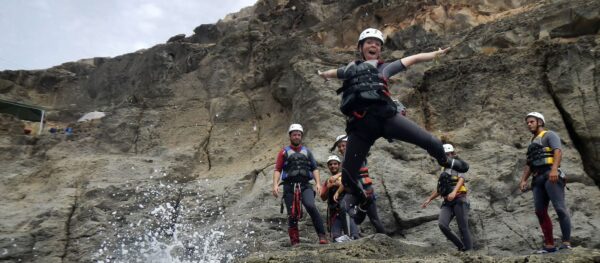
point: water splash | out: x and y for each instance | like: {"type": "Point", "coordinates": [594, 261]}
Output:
{"type": "Point", "coordinates": [175, 226]}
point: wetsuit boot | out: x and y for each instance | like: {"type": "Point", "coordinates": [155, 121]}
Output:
{"type": "Point", "coordinates": [294, 235]}
{"type": "Point", "coordinates": [323, 239]}
{"type": "Point", "coordinates": [456, 164]}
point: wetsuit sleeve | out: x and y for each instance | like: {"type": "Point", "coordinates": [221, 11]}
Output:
{"type": "Point", "coordinates": [551, 139]}
{"type": "Point", "coordinates": [390, 69]}
{"type": "Point", "coordinates": [341, 72]}
{"type": "Point", "coordinates": [279, 162]}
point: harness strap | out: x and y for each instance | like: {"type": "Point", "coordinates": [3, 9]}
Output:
{"type": "Point", "coordinates": [358, 115]}
{"type": "Point", "coordinates": [297, 203]}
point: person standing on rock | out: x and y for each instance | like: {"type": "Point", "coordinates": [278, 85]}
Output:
{"type": "Point", "coordinates": [451, 186]}
{"type": "Point", "coordinates": [544, 155]}
{"type": "Point", "coordinates": [335, 217]}
{"type": "Point", "coordinates": [371, 113]}
{"type": "Point", "coordinates": [294, 168]}
{"type": "Point", "coordinates": [351, 204]}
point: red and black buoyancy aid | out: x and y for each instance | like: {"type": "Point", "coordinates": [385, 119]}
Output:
{"type": "Point", "coordinates": [297, 166]}
{"type": "Point", "coordinates": [363, 88]}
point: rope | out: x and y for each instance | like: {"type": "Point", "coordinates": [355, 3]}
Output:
{"type": "Point", "coordinates": [296, 203]}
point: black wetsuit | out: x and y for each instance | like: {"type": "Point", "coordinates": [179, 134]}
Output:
{"type": "Point", "coordinates": [379, 121]}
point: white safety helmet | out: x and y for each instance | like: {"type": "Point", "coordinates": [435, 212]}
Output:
{"type": "Point", "coordinates": [448, 148]}
{"type": "Point", "coordinates": [343, 138]}
{"type": "Point", "coordinates": [333, 158]}
{"type": "Point", "coordinates": [295, 127]}
{"type": "Point", "coordinates": [370, 32]}
{"type": "Point", "coordinates": [536, 115]}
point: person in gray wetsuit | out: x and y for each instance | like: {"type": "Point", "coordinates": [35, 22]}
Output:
{"type": "Point", "coordinates": [544, 156]}
{"type": "Point", "coordinates": [371, 113]}
{"type": "Point", "coordinates": [451, 186]}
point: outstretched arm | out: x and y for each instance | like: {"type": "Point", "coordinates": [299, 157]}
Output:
{"type": "Point", "coordinates": [430, 198]}
{"type": "Point", "coordinates": [328, 74]}
{"type": "Point", "coordinates": [422, 57]}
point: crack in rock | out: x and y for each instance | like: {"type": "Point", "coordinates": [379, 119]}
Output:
{"type": "Point", "coordinates": [578, 142]}
{"type": "Point", "coordinates": [68, 225]}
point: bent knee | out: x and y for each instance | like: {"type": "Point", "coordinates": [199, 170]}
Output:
{"type": "Point", "coordinates": [443, 226]}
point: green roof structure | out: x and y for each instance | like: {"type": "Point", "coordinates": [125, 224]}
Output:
{"type": "Point", "coordinates": [23, 111]}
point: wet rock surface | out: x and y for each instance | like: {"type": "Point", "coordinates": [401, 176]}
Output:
{"type": "Point", "coordinates": [180, 168]}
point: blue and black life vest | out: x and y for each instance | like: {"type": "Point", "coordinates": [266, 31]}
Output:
{"type": "Point", "coordinates": [297, 165]}
{"type": "Point", "coordinates": [364, 88]}
{"type": "Point", "coordinates": [537, 154]}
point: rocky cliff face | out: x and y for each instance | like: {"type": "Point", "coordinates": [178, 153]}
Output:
{"type": "Point", "coordinates": [180, 169]}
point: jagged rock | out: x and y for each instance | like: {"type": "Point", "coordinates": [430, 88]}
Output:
{"type": "Point", "coordinates": [571, 22]}
{"type": "Point", "coordinates": [414, 38]}
{"type": "Point", "coordinates": [207, 33]}
{"type": "Point", "coordinates": [176, 38]}
{"type": "Point", "coordinates": [569, 77]}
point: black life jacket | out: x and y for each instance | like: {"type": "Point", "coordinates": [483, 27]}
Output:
{"type": "Point", "coordinates": [537, 154]}
{"type": "Point", "coordinates": [297, 165]}
{"type": "Point", "coordinates": [364, 88]}
{"type": "Point", "coordinates": [332, 204]}
{"type": "Point", "coordinates": [447, 182]}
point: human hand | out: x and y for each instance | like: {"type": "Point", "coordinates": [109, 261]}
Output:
{"type": "Point", "coordinates": [438, 53]}
{"type": "Point", "coordinates": [318, 189]}
{"type": "Point", "coordinates": [426, 203]}
{"type": "Point", "coordinates": [369, 195]}
{"type": "Point", "coordinates": [523, 186]}
{"type": "Point", "coordinates": [322, 74]}
{"type": "Point", "coordinates": [338, 180]}
{"type": "Point", "coordinates": [451, 196]}
{"type": "Point", "coordinates": [441, 51]}
{"type": "Point", "coordinates": [330, 182]}
{"type": "Point", "coordinates": [553, 176]}
{"type": "Point", "coordinates": [336, 196]}
{"type": "Point", "coordinates": [275, 191]}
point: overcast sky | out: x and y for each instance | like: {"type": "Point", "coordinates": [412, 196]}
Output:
{"type": "Point", "coordinates": [38, 34]}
